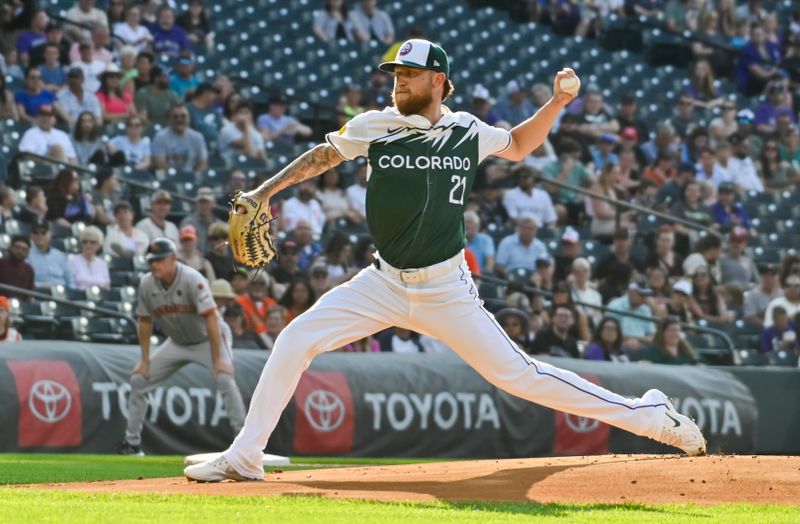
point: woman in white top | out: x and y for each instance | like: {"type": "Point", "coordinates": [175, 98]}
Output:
{"type": "Point", "coordinates": [333, 199]}
{"type": "Point", "coordinates": [330, 22]}
{"type": "Point", "coordinates": [87, 269]}
{"type": "Point", "coordinates": [582, 291]}
{"type": "Point", "coordinates": [337, 259]}
{"type": "Point", "coordinates": [604, 214]}
{"type": "Point", "coordinates": [134, 146]}
{"type": "Point", "coordinates": [131, 32]}
{"type": "Point", "coordinates": [122, 239]}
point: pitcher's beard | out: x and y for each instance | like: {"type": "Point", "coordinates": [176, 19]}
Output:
{"type": "Point", "coordinates": [412, 104]}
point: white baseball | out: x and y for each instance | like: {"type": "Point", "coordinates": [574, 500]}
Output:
{"type": "Point", "coordinates": [570, 85]}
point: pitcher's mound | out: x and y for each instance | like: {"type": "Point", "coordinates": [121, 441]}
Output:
{"type": "Point", "coordinates": [605, 479]}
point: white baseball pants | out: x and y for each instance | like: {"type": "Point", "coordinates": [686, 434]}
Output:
{"type": "Point", "coordinates": [444, 304]}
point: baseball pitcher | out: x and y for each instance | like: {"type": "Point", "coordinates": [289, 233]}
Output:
{"type": "Point", "coordinates": [422, 160]}
{"type": "Point", "coordinates": [180, 299]}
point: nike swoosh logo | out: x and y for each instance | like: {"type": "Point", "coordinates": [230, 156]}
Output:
{"type": "Point", "coordinates": [673, 420]}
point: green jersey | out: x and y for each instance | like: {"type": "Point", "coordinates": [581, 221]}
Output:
{"type": "Point", "coordinates": [419, 177]}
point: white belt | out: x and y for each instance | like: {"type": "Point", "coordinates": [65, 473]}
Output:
{"type": "Point", "coordinates": [422, 274]}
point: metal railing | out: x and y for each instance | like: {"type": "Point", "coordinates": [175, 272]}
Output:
{"type": "Point", "coordinates": [731, 348]}
{"type": "Point", "coordinates": [151, 187]}
{"type": "Point", "coordinates": [64, 302]}
{"type": "Point", "coordinates": [628, 205]}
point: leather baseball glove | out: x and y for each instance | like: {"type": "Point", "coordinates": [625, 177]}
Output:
{"type": "Point", "coordinates": [249, 231]}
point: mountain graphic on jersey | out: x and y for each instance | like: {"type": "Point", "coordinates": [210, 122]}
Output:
{"type": "Point", "coordinates": [439, 135]}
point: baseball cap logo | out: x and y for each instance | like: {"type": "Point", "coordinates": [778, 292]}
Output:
{"type": "Point", "coordinates": [49, 401]}
{"type": "Point", "coordinates": [405, 49]}
{"type": "Point", "coordinates": [324, 410]}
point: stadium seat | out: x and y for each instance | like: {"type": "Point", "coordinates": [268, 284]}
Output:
{"type": "Point", "coordinates": [752, 357]}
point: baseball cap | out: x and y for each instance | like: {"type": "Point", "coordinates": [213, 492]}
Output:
{"type": "Point", "coordinates": [609, 138]}
{"type": "Point", "coordinates": [160, 249]}
{"type": "Point", "coordinates": [189, 231]}
{"type": "Point", "coordinates": [640, 287]}
{"type": "Point", "coordinates": [205, 193]}
{"type": "Point", "coordinates": [512, 87]}
{"type": "Point", "coordinates": [111, 69]}
{"type": "Point", "coordinates": [738, 234]}
{"type": "Point", "coordinates": [122, 204]}
{"type": "Point", "coordinates": [75, 72]}
{"type": "Point", "coordinates": [544, 261]}
{"type": "Point", "coordinates": [745, 116]}
{"type": "Point", "coordinates": [570, 236]}
{"type": "Point", "coordinates": [726, 187]}
{"type": "Point", "coordinates": [4, 303]}
{"type": "Point", "coordinates": [767, 268]}
{"type": "Point", "coordinates": [205, 87]}
{"type": "Point", "coordinates": [419, 53]}
{"type": "Point", "coordinates": [232, 310]}
{"type": "Point", "coordinates": [683, 286]}
{"type": "Point", "coordinates": [687, 167]}
{"type": "Point", "coordinates": [630, 133]}
{"type": "Point", "coordinates": [40, 224]}
{"type": "Point", "coordinates": [160, 196]}
{"type": "Point", "coordinates": [480, 92]}
{"type": "Point", "coordinates": [45, 110]}
{"type": "Point", "coordinates": [240, 271]}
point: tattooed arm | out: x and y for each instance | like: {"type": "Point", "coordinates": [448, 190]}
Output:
{"type": "Point", "coordinates": [308, 165]}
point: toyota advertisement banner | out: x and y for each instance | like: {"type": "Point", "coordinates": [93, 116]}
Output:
{"type": "Point", "coordinates": [72, 396]}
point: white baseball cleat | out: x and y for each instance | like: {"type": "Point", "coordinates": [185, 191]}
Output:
{"type": "Point", "coordinates": [215, 471]}
{"type": "Point", "coordinates": [676, 429]}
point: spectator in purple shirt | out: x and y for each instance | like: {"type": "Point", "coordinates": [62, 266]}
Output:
{"type": "Point", "coordinates": [757, 63]}
{"type": "Point", "coordinates": [726, 211]}
{"type": "Point", "coordinates": [606, 342]}
{"type": "Point", "coordinates": [168, 38]}
{"type": "Point", "coordinates": [781, 335]}
{"type": "Point", "coordinates": [778, 101]}
{"type": "Point", "coordinates": [35, 36]}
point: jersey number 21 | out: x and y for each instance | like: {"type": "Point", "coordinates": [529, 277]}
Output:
{"type": "Point", "coordinates": [460, 182]}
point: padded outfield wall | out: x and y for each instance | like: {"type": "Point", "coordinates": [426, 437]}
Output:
{"type": "Point", "coordinates": [69, 396]}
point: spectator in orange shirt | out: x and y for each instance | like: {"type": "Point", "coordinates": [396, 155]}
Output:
{"type": "Point", "coordinates": [660, 171]}
{"type": "Point", "coordinates": [256, 303]}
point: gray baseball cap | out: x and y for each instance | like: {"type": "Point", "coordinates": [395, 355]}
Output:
{"type": "Point", "coordinates": [419, 53]}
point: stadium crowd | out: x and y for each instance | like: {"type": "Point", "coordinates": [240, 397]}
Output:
{"type": "Point", "coordinates": [83, 83]}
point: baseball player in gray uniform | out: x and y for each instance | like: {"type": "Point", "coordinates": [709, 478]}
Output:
{"type": "Point", "coordinates": [180, 299]}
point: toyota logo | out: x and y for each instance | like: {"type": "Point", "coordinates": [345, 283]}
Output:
{"type": "Point", "coordinates": [324, 410]}
{"type": "Point", "coordinates": [581, 424]}
{"type": "Point", "coordinates": [49, 401]}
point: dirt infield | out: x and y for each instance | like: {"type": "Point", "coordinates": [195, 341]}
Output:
{"type": "Point", "coordinates": [607, 479]}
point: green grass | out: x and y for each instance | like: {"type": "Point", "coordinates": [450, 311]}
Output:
{"type": "Point", "coordinates": [26, 505]}
{"type": "Point", "coordinates": [33, 468]}
{"type": "Point", "coordinates": [20, 505]}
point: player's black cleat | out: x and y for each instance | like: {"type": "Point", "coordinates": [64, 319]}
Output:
{"type": "Point", "coordinates": [126, 448]}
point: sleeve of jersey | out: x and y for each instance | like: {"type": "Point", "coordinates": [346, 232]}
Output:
{"type": "Point", "coordinates": [491, 140]}
{"type": "Point", "coordinates": [203, 299]}
{"type": "Point", "coordinates": [352, 139]}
